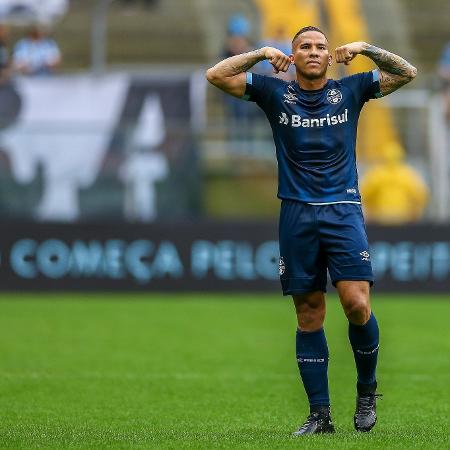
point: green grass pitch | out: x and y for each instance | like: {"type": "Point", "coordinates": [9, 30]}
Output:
{"type": "Point", "coordinates": [208, 371]}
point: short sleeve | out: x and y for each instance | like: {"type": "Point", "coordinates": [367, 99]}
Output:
{"type": "Point", "coordinates": [259, 88]}
{"type": "Point", "coordinates": [365, 85]}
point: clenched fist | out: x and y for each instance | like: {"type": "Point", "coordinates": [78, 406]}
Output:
{"type": "Point", "coordinates": [347, 52]}
{"type": "Point", "coordinates": [277, 58]}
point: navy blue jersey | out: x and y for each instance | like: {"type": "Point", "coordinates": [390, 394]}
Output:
{"type": "Point", "coordinates": [315, 134]}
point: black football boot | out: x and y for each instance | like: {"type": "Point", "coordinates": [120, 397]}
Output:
{"type": "Point", "coordinates": [319, 421]}
{"type": "Point", "coordinates": [366, 407]}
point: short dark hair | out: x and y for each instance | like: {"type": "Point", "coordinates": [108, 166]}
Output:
{"type": "Point", "coordinates": [308, 28]}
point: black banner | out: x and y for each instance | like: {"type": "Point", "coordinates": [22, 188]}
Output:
{"type": "Point", "coordinates": [198, 256]}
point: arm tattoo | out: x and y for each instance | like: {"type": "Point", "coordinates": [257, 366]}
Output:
{"type": "Point", "coordinates": [239, 63]}
{"type": "Point", "coordinates": [390, 62]}
{"type": "Point", "coordinates": [395, 71]}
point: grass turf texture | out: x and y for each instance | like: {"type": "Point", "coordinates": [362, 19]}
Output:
{"type": "Point", "coordinates": [208, 371]}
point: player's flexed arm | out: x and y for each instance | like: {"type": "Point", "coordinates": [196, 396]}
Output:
{"type": "Point", "coordinates": [394, 70]}
{"type": "Point", "coordinates": [229, 74]}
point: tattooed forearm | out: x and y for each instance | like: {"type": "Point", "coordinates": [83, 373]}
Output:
{"type": "Point", "coordinates": [229, 74]}
{"type": "Point", "coordinates": [394, 70]}
{"type": "Point", "coordinates": [238, 64]}
{"type": "Point", "coordinates": [390, 62]}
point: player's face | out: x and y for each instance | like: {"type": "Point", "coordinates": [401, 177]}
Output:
{"type": "Point", "coordinates": [310, 55]}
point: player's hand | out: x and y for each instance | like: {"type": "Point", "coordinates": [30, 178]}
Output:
{"type": "Point", "coordinates": [278, 59]}
{"type": "Point", "coordinates": [347, 52]}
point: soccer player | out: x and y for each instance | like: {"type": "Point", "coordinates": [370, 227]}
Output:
{"type": "Point", "coordinates": [314, 121]}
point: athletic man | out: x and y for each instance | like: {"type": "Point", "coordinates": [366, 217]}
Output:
{"type": "Point", "coordinates": [314, 121]}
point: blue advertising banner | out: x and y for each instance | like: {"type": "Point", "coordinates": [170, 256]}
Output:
{"type": "Point", "coordinates": [198, 256]}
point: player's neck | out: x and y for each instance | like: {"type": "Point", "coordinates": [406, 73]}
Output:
{"type": "Point", "coordinates": [311, 85]}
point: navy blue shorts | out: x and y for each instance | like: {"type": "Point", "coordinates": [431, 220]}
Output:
{"type": "Point", "coordinates": [314, 238]}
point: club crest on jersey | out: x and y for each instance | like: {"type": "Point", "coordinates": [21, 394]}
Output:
{"type": "Point", "coordinates": [281, 266]}
{"type": "Point", "coordinates": [334, 96]}
{"type": "Point", "coordinates": [290, 96]}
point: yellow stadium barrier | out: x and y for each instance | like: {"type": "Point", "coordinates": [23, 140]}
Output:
{"type": "Point", "coordinates": [289, 14]}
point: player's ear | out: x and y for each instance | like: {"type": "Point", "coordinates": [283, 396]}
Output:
{"type": "Point", "coordinates": [330, 60]}
{"type": "Point", "coordinates": [291, 57]}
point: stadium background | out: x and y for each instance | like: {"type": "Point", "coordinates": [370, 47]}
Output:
{"type": "Point", "coordinates": [124, 171]}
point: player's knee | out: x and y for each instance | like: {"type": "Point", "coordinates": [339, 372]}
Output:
{"type": "Point", "coordinates": [310, 320]}
{"type": "Point", "coordinates": [310, 311]}
{"type": "Point", "coordinates": [357, 308]}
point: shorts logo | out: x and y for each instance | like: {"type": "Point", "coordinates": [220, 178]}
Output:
{"type": "Point", "coordinates": [334, 96]}
{"type": "Point", "coordinates": [281, 266]}
{"type": "Point", "coordinates": [351, 191]}
{"type": "Point", "coordinates": [365, 256]}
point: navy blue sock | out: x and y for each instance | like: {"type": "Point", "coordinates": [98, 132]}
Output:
{"type": "Point", "coordinates": [312, 359]}
{"type": "Point", "coordinates": [365, 342]}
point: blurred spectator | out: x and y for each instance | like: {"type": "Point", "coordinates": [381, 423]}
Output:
{"type": "Point", "coordinates": [240, 113]}
{"type": "Point", "coordinates": [282, 42]}
{"type": "Point", "coordinates": [4, 55]}
{"type": "Point", "coordinates": [393, 192]}
{"type": "Point", "coordinates": [28, 11]}
{"type": "Point", "coordinates": [238, 32]}
{"type": "Point", "coordinates": [36, 54]}
{"type": "Point", "coordinates": [444, 75]}
{"type": "Point", "coordinates": [10, 102]}
{"type": "Point", "coordinates": [238, 25]}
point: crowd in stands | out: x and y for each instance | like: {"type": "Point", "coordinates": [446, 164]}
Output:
{"type": "Point", "coordinates": [36, 54]}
